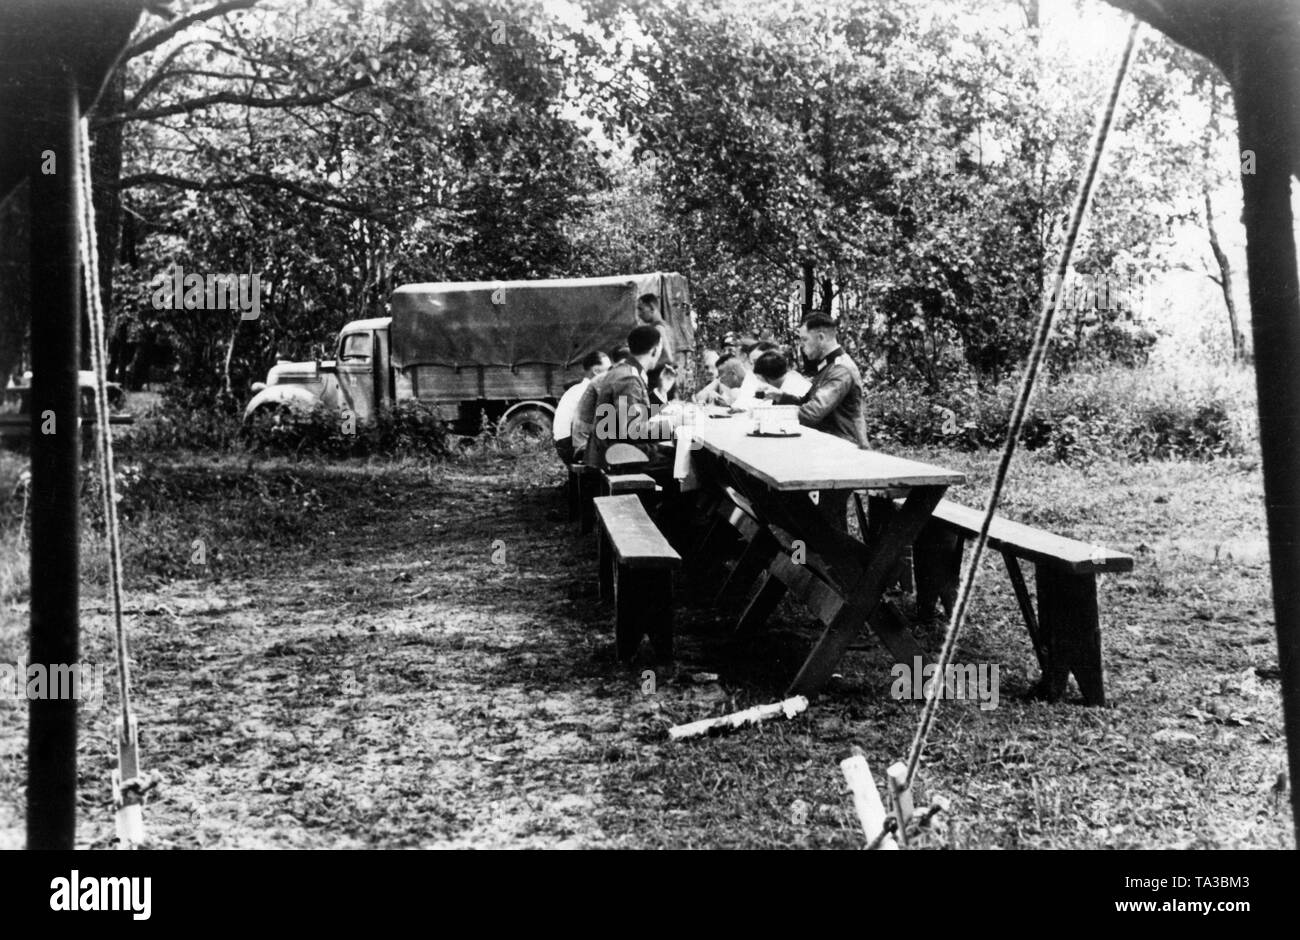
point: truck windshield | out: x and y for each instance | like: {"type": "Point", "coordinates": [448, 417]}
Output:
{"type": "Point", "coordinates": [355, 347]}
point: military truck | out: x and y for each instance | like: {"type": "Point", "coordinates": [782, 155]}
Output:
{"type": "Point", "coordinates": [16, 410]}
{"type": "Point", "coordinates": [496, 351]}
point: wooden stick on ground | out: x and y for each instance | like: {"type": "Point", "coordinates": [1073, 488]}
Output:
{"type": "Point", "coordinates": [750, 716]}
{"type": "Point", "coordinates": [866, 799]}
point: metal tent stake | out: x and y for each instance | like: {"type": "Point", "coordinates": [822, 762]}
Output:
{"type": "Point", "coordinates": [128, 785]}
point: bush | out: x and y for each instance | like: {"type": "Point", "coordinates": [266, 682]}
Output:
{"type": "Point", "coordinates": [408, 429]}
{"type": "Point", "coordinates": [1135, 414]}
{"type": "Point", "coordinates": [187, 420]}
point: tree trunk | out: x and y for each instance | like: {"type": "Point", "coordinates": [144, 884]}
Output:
{"type": "Point", "coordinates": [809, 285]}
{"type": "Point", "coordinates": [1225, 277]}
{"type": "Point", "coordinates": [1031, 13]}
{"type": "Point", "coordinates": [230, 355]}
{"type": "Point", "coordinates": [1221, 259]}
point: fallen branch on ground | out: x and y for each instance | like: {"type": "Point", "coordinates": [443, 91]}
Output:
{"type": "Point", "coordinates": [750, 716]}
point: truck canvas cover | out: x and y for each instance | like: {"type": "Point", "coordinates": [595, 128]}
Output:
{"type": "Point", "coordinates": [509, 324]}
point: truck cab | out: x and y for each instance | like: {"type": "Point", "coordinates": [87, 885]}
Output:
{"type": "Point", "coordinates": [363, 368]}
{"type": "Point", "coordinates": [358, 380]}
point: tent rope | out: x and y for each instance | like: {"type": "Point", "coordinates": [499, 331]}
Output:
{"type": "Point", "coordinates": [103, 436]}
{"type": "Point", "coordinates": [128, 787]}
{"type": "Point", "coordinates": [1037, 354]}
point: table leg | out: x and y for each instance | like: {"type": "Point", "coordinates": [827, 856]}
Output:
{"type": "Point", "coordinates": [858, 574]}
{"type": "Point", "coordinates": [749, 567]}
{"type": "Point", "coordinates": [762, 603]}
{"type": "Point", "coordinates": [863, 583]}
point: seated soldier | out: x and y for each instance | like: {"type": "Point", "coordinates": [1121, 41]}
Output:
{"type": "Point", "coordinates": [593, 365]}
{"type": "Point", "coordinates": [781, 384]}
{"type": "Point", "coordinates": [710, 362]}
{"type": "Point", "coordinates": [662, 392]}
{"type": "Point", "coordinates": [623, 414]}
{"type": "Point", "coordinates": [834, 403]}
{"type": "Point", "coordinates": [733, 386]}
{"type": "Point", "coordinates": [584, 416]}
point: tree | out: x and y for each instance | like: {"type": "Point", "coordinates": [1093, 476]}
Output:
{"type": "Point", "coordinates": [337, 150]}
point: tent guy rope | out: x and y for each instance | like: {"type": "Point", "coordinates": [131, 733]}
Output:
{"type": "Point", "coordinates": [128, 782]}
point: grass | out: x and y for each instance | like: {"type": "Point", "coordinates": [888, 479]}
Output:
{"type": "Point", "coordinates": [404, 653]}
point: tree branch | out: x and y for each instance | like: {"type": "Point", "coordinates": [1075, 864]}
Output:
{"type": "Point", "coordinates": [238, 98]}
{"type": "Point", "coordinates": [154, 40]}
{"type": "Point", "coordinates": [159, 76]}
{"type": "Point", "coordinates": [251, 179]}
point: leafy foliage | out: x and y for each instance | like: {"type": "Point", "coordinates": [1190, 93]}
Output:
{"type": "Point", "coordinates": [449, 157]}
{"type": "Point", "coordinates": [914, 160]}
{"type": "Point", "coordinates": [1117, 413]}
{"type": "Point", "coordinates": [204, 421]}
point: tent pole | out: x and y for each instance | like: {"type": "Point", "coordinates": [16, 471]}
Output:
{"type": "Point", "coordinates": [1275, 325]}
{"type": "Point", "coordinates": [55, 406]}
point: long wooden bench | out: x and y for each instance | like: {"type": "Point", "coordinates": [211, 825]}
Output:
{"type": "Point", "coordinates": [636, 566]}
{"type": "Point", "coordinates": [1065, 630]}
{"type": "Point", "coordinates": [621, 477]}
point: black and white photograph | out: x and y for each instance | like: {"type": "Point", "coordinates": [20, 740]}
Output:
{"type": "Point", "coordinates": [859, 425]}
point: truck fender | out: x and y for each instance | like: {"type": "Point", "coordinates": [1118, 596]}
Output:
{"type": "Point", "coordinates": [280, 394]}
{"type": "Point", "coordinates": [520, 406]}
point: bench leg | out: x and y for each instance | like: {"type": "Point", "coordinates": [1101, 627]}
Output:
{"type": "Point", "coordinates": [762, 604]}
{"type": "Point", "coordinates": [643, 604]}
{"type": "Point", "coordinates": [936, 556]}
{"type": "Point", "coordinates": [587, 487]}
{"type": "Point", "coordinates": [571, 494]}
{"type": "Point", "coordinates": [659, 613]}
{"type": "Point", "coordinates": [1070, 630]}
{"type": "Point", "coordinates": [604, 564]}
{"type": "Point", "coordinates": [1026, 607]}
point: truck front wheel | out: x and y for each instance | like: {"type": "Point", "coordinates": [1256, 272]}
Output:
{"type": "Point", "coordinates": [532, 423]}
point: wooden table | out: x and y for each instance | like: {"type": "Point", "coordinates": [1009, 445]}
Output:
{"type": "Point", "coordinates": [776, 476]}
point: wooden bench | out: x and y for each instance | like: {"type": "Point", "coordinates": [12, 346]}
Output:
{"type": "Point", "coordinates": [1065, 630]}
{"type": "Point", "coordinates": [636, 565]}
{"type": "Point", "coordinates": [621, 477]}
{"type": "Point", "coordinates": [582, 482]}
